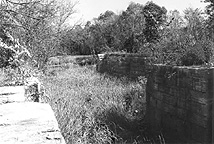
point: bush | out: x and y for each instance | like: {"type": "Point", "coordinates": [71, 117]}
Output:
{"type": "Point", "coordinates": [199, 54]}
{"type": "Point", "coordinates": [6, 56]}
{"type": "Point", "coordinates": [86, 60]}
{"type": "Point", "coordinates": [17, 76]}
{"type": "Point", "coordinates": [191, 58]}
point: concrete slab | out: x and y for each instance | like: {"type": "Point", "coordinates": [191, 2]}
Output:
{"type": "Point", "coordinates": [28, 123]}
{"type": "Point", "coordinates": [12, 94]}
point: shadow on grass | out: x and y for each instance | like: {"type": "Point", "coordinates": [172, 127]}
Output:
{"type": "Point", "coordinates": [128, 129]}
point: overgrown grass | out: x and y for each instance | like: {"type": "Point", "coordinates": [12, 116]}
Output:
{"type": "Point", "coordinates": [96, 109]}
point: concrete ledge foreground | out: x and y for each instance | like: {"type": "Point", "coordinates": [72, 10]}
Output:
{"type": "Point", "coordinates": [28, 123]}
{"type": "Point", "coordinates": [12, 94]}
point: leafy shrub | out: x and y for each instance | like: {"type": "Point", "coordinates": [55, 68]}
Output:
{"type": "Point", "coordinates": [191, 58]}
{"type": "Point", "coordinates": [6, 56]}
{"type": "Point", "coordinates": [17, 76]}
{"type": "Point", "coordinates": [11, 52]}
{"type": "Point", "coordinates": [199, 54]}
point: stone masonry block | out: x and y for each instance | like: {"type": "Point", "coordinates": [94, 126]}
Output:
{"type": "Point", "coordinates": [198, 133]}
{"type": "Point", "coordinates": [169, 100]}
{"type": "Point", "coordinates": [185, 100]}
{"type": "Point", "coordinates": [169, 109]}
{"type": "Point", "coordinates": [198, 119]}
{"type": "Point", "coordinates": [181, 103]}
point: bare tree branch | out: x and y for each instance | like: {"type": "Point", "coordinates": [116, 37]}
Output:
{"type": "Point", "coordinates": [14, 12]}
{"type": "Point", "coordinates": [21, 3]}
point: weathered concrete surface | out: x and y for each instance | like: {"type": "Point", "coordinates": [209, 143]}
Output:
{"type": "Point", "coordinates": [12, 94]}
{"type": "Point", "coordinates": [28, 123]}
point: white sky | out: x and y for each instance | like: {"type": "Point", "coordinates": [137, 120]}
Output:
{"type": "Point", "coordinates": [89, 9]}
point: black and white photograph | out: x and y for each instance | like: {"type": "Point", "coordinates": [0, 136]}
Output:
{"type": "Point", "coordinates": [106, 71]}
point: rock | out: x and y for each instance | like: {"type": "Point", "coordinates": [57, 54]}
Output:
{"type": "Point", "coordinates": [53, 61]}
{"type": "Point", "coordinates": [33, 89]}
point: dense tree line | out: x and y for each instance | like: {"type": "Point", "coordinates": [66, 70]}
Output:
{"type": "Point", "coordinates": [127, 31]}
{"type": "Point", "coordinates": [168, 37]}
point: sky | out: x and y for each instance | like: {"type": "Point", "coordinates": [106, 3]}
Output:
{"type": "Point", "coordinates": [89, 9]}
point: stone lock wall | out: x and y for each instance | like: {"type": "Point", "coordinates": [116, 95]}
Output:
{"type": "Point", "coordinates": [179, 103]}
{"type": "Point", "coordinates": [124, 64]}
{"type": "Point", "coordinates": [179, 99]}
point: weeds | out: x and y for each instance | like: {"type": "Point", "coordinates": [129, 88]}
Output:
{"type": "Point", "coordinates": [96, 109]}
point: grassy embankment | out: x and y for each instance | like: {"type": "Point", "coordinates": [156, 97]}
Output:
{"type": "Point", "coordinates": [94, 108]}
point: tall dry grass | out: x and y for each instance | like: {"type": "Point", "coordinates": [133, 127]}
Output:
{"type": "Point", "coordinates": [97, 109]}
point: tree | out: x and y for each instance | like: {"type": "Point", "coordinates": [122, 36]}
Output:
{"type": "Point", "coordinates": [11, 52]}
{"type": "Point", "coordinates": [98, 34]}
{"type": "Point", "coordinates": [195, 23]}
{"type": "Point", "coordinates": [184, 40]}
{"type": "Point", "coordinates": [169, 46]}
{"type": "Point", "coordinates": [210, 21]}
{"type": "Point", "coordinates": [199, 44]}
{"type": "Point", "coordinates": [37, 23]}
{"type": "Point", "coordinates": [135, 24]}
{"type": "Point", "coordinates": [128, 31]}
{"type": "Point", "coordinates": [154, 17]}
